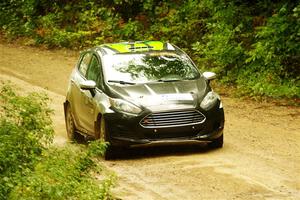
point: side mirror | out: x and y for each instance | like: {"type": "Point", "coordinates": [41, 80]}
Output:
{"type": "Point", "coordinates": [209, 75]}
{"type": "Point", "coordinates": [88, 85]}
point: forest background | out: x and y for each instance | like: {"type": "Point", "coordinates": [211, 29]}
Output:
{"type": "Point", "coordinates": [253, 45]}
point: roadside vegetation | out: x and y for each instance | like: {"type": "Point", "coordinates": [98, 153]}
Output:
{"type": "Point", "coordinates": [252, 45]}
{"type": "Point", "coordinates": [32, 168]}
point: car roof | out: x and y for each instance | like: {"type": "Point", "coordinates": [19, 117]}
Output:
{"type": "Point", "coordinates": [134, 47]}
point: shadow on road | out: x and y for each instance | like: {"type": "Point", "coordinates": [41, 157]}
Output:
{"type": "Point", "coordinates": [153, 151]}
{"type": "Point", "coordinates": [160, 151]}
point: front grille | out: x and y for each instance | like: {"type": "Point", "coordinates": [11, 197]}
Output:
{"type": "Point", "coordinates": [172, 119]}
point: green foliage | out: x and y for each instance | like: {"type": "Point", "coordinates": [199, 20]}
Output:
{"type": "Point", "coordinates": [259, 54]}
{"type": "Point", "coordinates": [30, 168]}
{"type": "Point", "coordinates": [67, 173]}
{"type": "Point", "coordinates": [221, 48]}
{"type": "Point", "coordinates": [251, 44]}
{"type": "Point", "coordinates": [25, 131]}
{"type": "Point", "coordinates": [276, 52]}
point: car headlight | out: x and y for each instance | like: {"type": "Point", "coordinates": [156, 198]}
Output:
{"type": "Point", "coordinates": [209, 100]}
{"type": "Point", "coordinates": [124, 106]}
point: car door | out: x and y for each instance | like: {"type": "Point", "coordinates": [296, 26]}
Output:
{"type": "Point", "coordinates": [77, 94]}
{"type": "Point", "coordinates": [88, 104]}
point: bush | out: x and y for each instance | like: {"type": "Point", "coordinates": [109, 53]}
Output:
{"type": "Point", "coordinates": [31, 169]}
{"type": "Point", "coordinates": [276, 53]}
{"type": "Point", "coordinates": [259, 54]}
{"type": "Point", "coordinates": [251, 44]}
{"type": "Point", "coordinates": [25, 131]}
{"type": "Point", "coordinates": [67, 173]}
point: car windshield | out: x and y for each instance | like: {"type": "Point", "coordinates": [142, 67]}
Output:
{"type": "Point", "coordinates": [148, 67]}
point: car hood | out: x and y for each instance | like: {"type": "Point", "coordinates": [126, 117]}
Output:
{"type": "Point", "coordinates": [163, 95]}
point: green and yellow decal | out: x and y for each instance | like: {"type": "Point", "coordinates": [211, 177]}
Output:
{"type": "Point", "coordinates": [127, 47]}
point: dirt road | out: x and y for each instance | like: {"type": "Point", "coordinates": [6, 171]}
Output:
{"type": "Point", "coordinates": [260, 159]}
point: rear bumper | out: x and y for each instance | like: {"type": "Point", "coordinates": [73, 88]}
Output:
{"type": "Point", "coordinates": [126, 131]}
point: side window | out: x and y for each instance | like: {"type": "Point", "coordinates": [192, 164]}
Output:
{"type": "Point", "coordinates": [84, 63]}
{"type": "Point", "coordinates": [93, 72]}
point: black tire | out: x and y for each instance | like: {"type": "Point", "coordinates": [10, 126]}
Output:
{"type": "Point", "coordinates": [217, 143]}
{"type": "Point", "coordinates": [110, 153]}
{"type": "Point", "coordinates": [70, 125]}
{"type": "Point", "coordinates": [101, 133]}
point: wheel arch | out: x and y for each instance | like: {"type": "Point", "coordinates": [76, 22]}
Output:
{"type": "Point", "coordinates": [100, 109]}
{"type": "Point", "coordinates": [66, 104]}
{"type": "Point", "coordinates": [99, 116]}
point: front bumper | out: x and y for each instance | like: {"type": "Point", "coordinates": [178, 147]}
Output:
{"type": "Point", "coordinates": [125, 130]}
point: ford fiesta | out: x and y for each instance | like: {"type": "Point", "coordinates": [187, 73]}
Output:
{"type": "Point", "coordinates": [142, 93]}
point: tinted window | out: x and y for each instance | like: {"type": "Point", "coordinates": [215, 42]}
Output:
{"type": "Point", "coordinates": [85, 63]}
{"type": "Point", "coordinates": [93, 72]}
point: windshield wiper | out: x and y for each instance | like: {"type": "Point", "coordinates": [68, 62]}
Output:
{"type": "Point", "coordinates": [121, 82]}
{"type": "Point", "coordinates": [168, 80]}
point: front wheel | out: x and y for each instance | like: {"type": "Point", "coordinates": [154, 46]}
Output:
{"type": "Point", "coordinates": [216, 143]}
{"type": "Point", "coordinates": [101, 133]}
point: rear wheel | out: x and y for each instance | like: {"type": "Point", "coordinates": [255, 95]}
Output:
{"type": "Point", "coordinates": [70, 125]}
{"type": "Point", "coordinates": [217, 143]}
